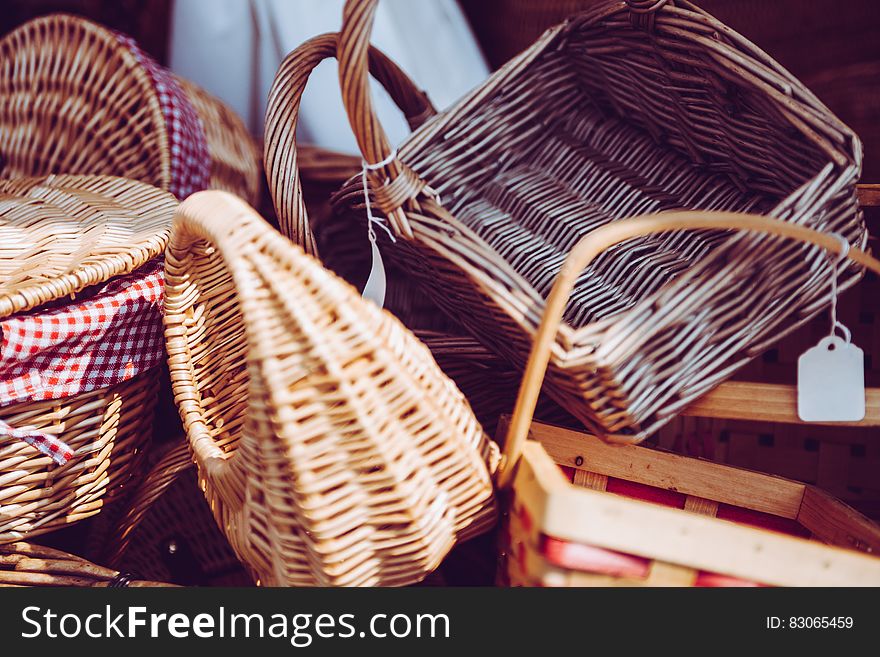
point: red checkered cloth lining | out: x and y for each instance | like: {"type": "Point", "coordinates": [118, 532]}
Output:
{"type": "Point", "coordinates": [190, 159]}
{"type": "Point", "coordinates": [112, 336]}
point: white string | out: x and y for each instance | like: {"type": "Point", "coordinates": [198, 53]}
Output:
{"type": "Point", "coordinates": [844, 252]}
{"type": "Point", "coordinates": [371, 219]}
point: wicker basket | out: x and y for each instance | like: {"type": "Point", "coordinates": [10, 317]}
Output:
{"type": "Point", "coordinates": [78, 98]}
{"type": "Point", "coordinates": [627, 109]}
{"type": "Point", "coordinates": [559, 534]}
{"type": "Point", "coordinates": [301, 176]}
{"type": "Point", "coordinates": [841, 460]}
{"type": "Point", "coordinates": [331, 448]}
{"type": "Point", "coordinates": [168, 532]}
{"type": "Point", "coordinates": [64, 235]}
{"type": "Point", "coordinates": [25, 564]}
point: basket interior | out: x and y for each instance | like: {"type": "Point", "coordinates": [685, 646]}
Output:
{"type": "Point", "coordinates": [216, 344]}
{"type": "Point", "coordinates": [596, 129]}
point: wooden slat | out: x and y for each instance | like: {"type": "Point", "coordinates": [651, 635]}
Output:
{"type": "Point", "coordinates": [701, 505]}
{"type": "Point", "coordinates": [668, 574]}
{"type": "Point", "coordinates": [713, 481]}
{"type": "Point", "coordinates": [767, 402]}
{"type": "Point", "coordinates": [834, 522]}
{"type": "Point", "coordinates": [590, 480]}
{"type": "Point", "coordinates": [869, 195]}
{"type": "Point", "coordinates": [617, 523]}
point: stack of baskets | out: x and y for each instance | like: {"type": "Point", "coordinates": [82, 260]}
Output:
{"type": "Point", "coordinates": [636, 206]}
{"type": "Point", "coordinates": [80, 315]}
{"type": "Point", "coordinates": [628, 108]}
{"type": "Point", "coordinates": [82, 281]}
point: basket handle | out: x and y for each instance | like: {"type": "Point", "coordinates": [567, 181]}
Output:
{"type": "Point", "coordinates": [282, 115]}
{"type": "Point", "coordinates": [394, 184]}
{"type": "Point", "coordinates": [586, 250]}
{"type": "Point", "coordinates": [230, 227]}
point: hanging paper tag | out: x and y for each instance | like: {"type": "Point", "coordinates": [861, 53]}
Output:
{"type": "Point", "coordinates": [831, 382]}
{"type": "Point", "coordinates": [374, 290]}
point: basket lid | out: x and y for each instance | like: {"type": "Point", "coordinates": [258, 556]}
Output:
{"type": "Point", "coordinates": [60, 234]}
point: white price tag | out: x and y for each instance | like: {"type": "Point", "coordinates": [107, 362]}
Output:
{"type": "Point", "coordinates": [374, 290]}
{"type": "Point", "coordinates": [831, 382]}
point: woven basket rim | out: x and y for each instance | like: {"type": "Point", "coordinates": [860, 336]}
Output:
{"type": "Point", "coordinates": [789, 92]}
{"type": "Point", "coordinates": [101, 266]}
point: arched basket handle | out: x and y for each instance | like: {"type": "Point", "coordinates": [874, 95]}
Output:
{"type": "Point", "coordinates": [585, 251]}
{"type": "Point", "coordinates": [395, 183]}
{"type": "Point", "coordinates": [280, 154]}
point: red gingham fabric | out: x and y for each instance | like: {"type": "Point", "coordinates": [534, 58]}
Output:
{"type": "Point", "coordinates": [190, 159]}
{"type": "Point", "coordinates": [111, 336]}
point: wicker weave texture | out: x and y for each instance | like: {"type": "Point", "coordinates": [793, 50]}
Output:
{"type": "Point", "coordinates": [617, 113]}
{"type": "Point", "coordinates": [74, 99]}
{"type": "Point", "coordinates": [235, 158]}
{"type": "Point", "coordinates": [26, 564]}
{"type": "Point", "coordinates": [168, 532]}
{"type": "Point", "coordinates": [331, 448]}
{"type": "Point", "coordinates": [108, 430]}
{"type": "Point", "coordinates": [301, 176]}
{"type": "Point", "coordinates": [60, 235]}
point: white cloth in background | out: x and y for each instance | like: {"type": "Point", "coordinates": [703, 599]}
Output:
{"type": "Point", "coordinates": [234, 47]}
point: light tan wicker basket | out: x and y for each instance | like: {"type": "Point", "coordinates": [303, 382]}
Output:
{"type": "Point", "coordinates": [630, 108]}
{"type": "Point", "coordinates": [77, 98]}
{"type": "Point", "coordinates": [330, 446]}
{"type": "Point", "coordinates": [60, 235]}
{"type": "Point", "coordinates": [26, 564]}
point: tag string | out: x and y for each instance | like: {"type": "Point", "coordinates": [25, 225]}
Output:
{"type": "Point", "coordinates": [836, 325]}
{"type": "Point", "coordinates": [372, 219]}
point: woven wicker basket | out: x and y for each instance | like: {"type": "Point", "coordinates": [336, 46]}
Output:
{"type": "Point", "coordinates": [78, 98]}
{"type": "Point", "coordinates": [830, 45]}
{"type": "Point", "coordinates": [330, 446]}
{"type": "Point", "coordinates": [25, 564]}
{"type": "Point", "coordinates": [62, 234]}
{"type": "Point", "coordinates": [628, 109]}
{"type": "Point", "coordinates": [804, 36]}
{"type": "Point", "coordinates": [562, 535]}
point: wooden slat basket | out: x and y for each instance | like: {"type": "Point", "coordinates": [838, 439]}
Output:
{"type": "Point", "coordinates": [687, 522]}
{"type": "Point", "coordinates": [630, 108]}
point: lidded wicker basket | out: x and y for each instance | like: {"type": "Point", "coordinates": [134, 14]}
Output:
{"type": "Point", "coordinates": [79, 370]}
{"type": "Point", "coordinates": [331, 448]}
{"type": "Point", "coordinates": [630, 108]}
{"type": "Point", "coordinates": [78, 98]}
